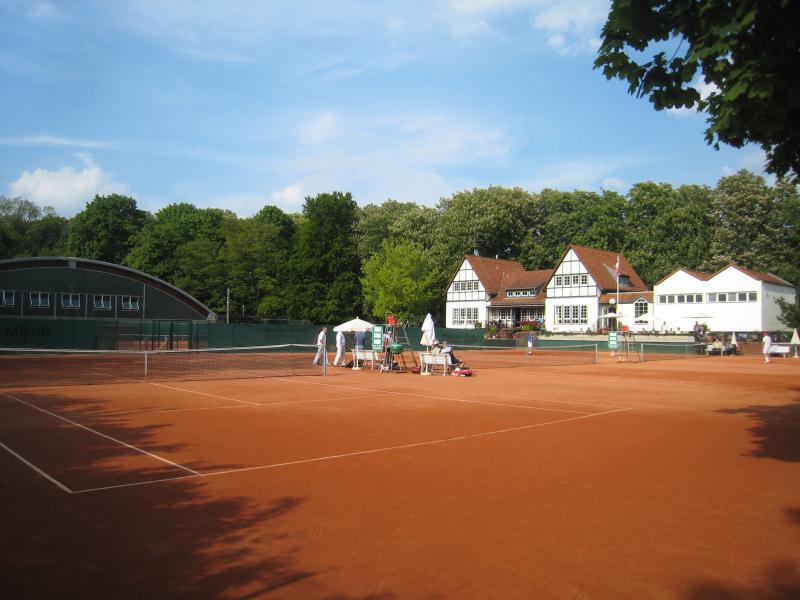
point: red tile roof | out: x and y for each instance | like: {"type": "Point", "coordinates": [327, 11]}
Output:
{"type": "Point", "coordinates": [626, 297]}
{"type": "Point", "coordinates": [601, 266]}
{"type": "Point", "coordinates": [523, 280]}
{"type": "Point", "coordinates": [696, 274]}
{"type": "Point", "coordinates": [490, 270]}
{"type": "Point", "coordinates": [758, 275]}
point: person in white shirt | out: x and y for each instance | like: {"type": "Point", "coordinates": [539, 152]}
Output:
{"type": "Point", "coordinates": [341, 356]}
{"type": "Point", "coordinates": [322, 351]}
{"type": "Point", "coordinates": [766, 346]}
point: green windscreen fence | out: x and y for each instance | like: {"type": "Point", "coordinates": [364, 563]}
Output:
{"type": "Point", "coordinates": [128, 334]}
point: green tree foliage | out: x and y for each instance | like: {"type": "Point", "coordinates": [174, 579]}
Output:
{"type": "Point", "coordinates": [393, 220]}
{"type": "Point", "coordinates": [157, 247]}
{"type": "Point", "coordinates": [583, 218]}
{"type": "Point", "coordinates": [666, 228]}
{"type": "Point", "coordinates": [325, 284]}
{"type": "Point", "coordinates": [105, 229]}
{"type": "Point", "coordinates": [28, 230]}
{"type": "Point", "coordinates": [790, 313]}
{"type": "Point", "coordinates": [201, 273]}
{"type": "Point", "coordinates": [494, 221]}
{"type": "Point", "coordinates": [747, 50]}
{"type": "Point", "coordinates": [401, 278]}
{"type": "Point", "coordinates": [744, 224]}
{"type": "Point", "coordinates": [255, 257]}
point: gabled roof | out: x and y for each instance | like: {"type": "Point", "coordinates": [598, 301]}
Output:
{"type": "Point", "coordinates": [601, 266]}
{"type": "Point", "coordinates": [696, 274]}
{"type": "Point", "coordinates": [523, 280]}
{"type": "Point", "coordinates": [490, 270]}
{"type": "Point", "coordinates": [758, 275]}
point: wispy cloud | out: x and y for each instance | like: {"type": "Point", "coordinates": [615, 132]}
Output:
{"type": "Point", "coordinates": [45, 139]}
{"type": "Point", "coordinates": [67, 189]}
{"type": "Point", "coordinates": [588, 173]}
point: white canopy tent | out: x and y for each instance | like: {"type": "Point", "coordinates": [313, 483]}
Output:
{"type": "Point", "coordinates": [354, 325]}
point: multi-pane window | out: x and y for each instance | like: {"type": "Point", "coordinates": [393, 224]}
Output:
{"type": "Point", "coordinates": [130, 303]}
{"type": "Point", "coordinates": [732, 297]}
{"type": "Point", "coordinates": [577, 314]}
{"type": "Point", "coordinates": [559, 280]}
{"type": "Point", "coordinates": [102, 302]}
{"type": "Point", "coordinates": [7, 297]}
{"type": "Point", "coordinates": [465, 316]}
{"type": "Point", "coordinates": [680, 298]}
{"type": "Point", "coordinates": [517, 293]}
{"type": "Point", "coordinates": [584, 279]}
{"type": "Point", "coordinates": [624, 281]}
{"type": "Point", "coordinates": [70, 300]}
{"type": "Point", "coordinates": [639, 309]}
{"type": "Point", "coordinates": [465, 286]}
{"type": "Point", "coordinates": [40, 299]}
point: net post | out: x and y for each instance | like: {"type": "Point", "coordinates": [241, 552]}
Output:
{"type": "Point", "coordinates": [596, 354]}
{"type": "Point", "coordinates": [146, 356]}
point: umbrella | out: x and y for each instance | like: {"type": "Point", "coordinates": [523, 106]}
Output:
{"type": "Point", "coordinates": [611, 315]}
{"type": "Point", "coordinates": [354, 325]}
{"type": "Point", "coordinates": [795, 341]}
{"type": "Point", "coordinates": [428, 332]}
{"type": "Point", "coordinates": [733, 339]}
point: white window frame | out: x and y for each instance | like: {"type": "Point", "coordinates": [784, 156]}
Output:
{"type": "Point", "coordinates": [6, 295]}
{"type": "Point", "coordinates": [130, 303]}
{"type": "Point", "coordinates": [42, 299]}
{"type": "Point", "coordinates": [101, 304]}
{"type": "Point", "coordinates": [69, 300]}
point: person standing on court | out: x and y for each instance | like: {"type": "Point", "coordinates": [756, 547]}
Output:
{"type": "Point", "coordinates": [341, 356]}
{"type": "Point", "coordinates": [766, 345]}
{"type": "Point", "coordinates": [322, 353]}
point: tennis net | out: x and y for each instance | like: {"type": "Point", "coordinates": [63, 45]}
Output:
{"type": "Point", "coordinates": [649, 352]}
{"type": "Point", "coordinates": [31, 367]}
{"type": "Point", "coordinates": [491, 357]}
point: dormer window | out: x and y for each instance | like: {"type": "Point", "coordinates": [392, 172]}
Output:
{"type": "Point", "coordinates": [519, 293]}
{"type": "Point", "coordinates": [624, 281]}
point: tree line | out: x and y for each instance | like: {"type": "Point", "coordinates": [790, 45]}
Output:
{"type": "Point", "coordinates": [335, 260]}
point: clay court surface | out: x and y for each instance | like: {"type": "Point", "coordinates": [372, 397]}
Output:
{"type": "Point", "coordinates": [673, 479]}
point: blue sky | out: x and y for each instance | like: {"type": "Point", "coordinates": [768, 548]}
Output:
{"type": "Point", "coordinates": [238, 104]}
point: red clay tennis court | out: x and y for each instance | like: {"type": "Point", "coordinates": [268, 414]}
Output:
{"type": "Point", "coordinates": [669, 479]}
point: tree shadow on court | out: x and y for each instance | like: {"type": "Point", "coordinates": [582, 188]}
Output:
{"type": "Point", "coordinates": [173, 539]}
{"type": "Point", "coordinates": [781, 581]}
{"type": "Point", "coordinates": [776, 430]}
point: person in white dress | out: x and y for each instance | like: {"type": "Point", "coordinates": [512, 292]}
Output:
{"type": "Point", "coordinates": [322, 352]}
{"type": "Point", "coordinates": [341, 356]}
{"type": "Point", "coordinates": [766, 346]}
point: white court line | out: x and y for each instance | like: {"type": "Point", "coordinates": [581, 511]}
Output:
{"type": "Point", "coordinates": [357, 453]}
{"type": "Point", "coordinates": [37, 469]}
{"type": "Point", "coordinates": [401, 393]}
{"type": "Point", "coordinates": [194, 408]}
{"type": "Point", "coordinates": [108, 437]}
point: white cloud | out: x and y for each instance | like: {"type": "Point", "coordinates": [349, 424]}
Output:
{"type": "Point", "coordinates": [66, 189]}
{"type": "Point", "coordinates": [585, 174]}
{"type": "Point", "coordinates": [705, 90]}
{"type": "Point", "coordinates": [615, 184]}
{"type": "Point", "coordinates": [289, 198]}
{"type": "Point", "coordinates": [320, 128]}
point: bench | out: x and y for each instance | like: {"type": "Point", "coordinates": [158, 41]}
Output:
{"type": "Point", "coordinates": [363, 356]}
{"type": "Point", "coordinates": [780, 349]}
{"type": "Point", "coordinates": [727, 350]}
{"type": "Point", "coordinates": [428, 362]}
